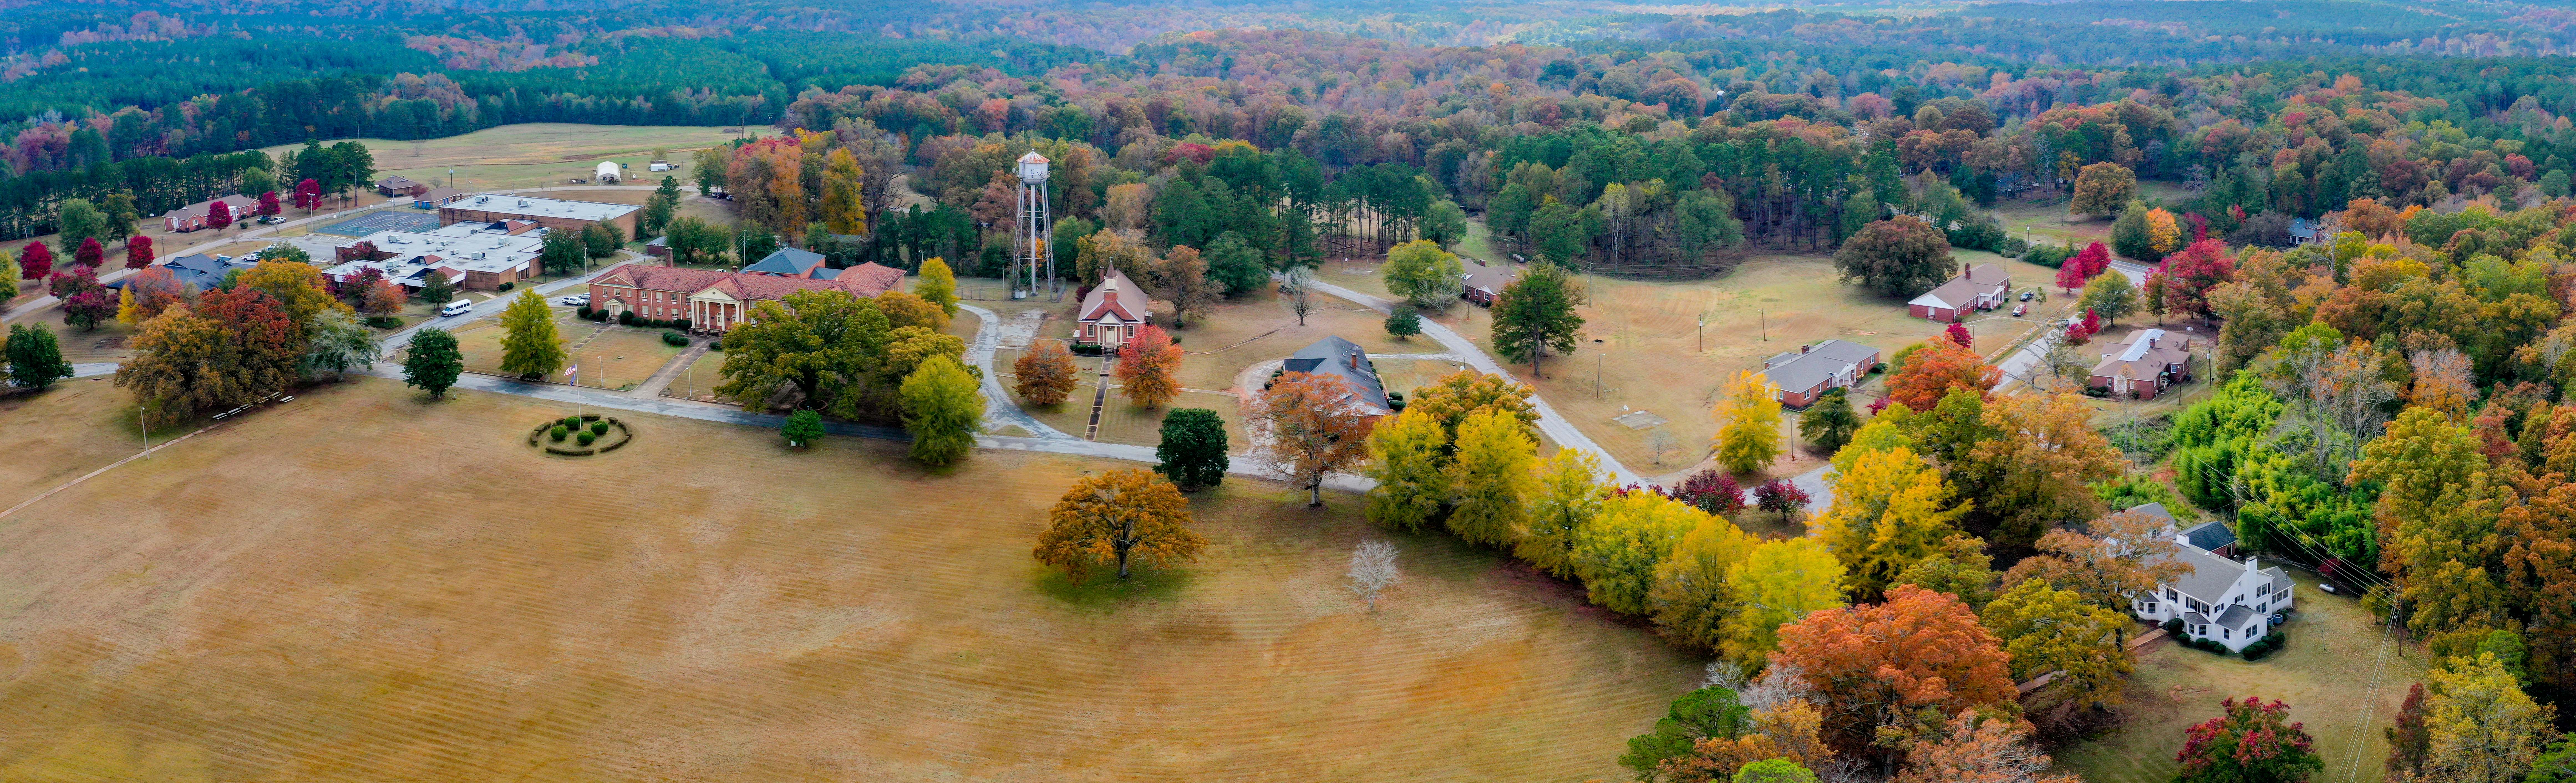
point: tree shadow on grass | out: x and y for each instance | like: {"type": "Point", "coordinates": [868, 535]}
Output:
{"type": "Point", "coordinates": [1103, 591]}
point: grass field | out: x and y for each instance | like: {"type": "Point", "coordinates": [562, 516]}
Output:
{"type": "Point", "coordinates": [2327, 674]}
{"type": "Point", "coordinates": [1642, 340]}
{"type": "Point", "coordinates": [609, 356]}
{"type": "Point", "coordinates": [536, 154]}
{"type": "Point", "coordinates": [363, 585]}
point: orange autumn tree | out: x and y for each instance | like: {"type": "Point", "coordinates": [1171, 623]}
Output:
{"type": "Point", "coordinates": [1883, 668]}
{"type": "Point", "coordinates": [1146, 367]}
{"type": "Point", "coordinates": [1307, 426]}
{"type": "Point", "coordinates": [1932, 372]}
{"type": "Point", "coordinates": [1973, 748]}
{"type": "Point", "coordinates": [1046, 374]}
{"type": "Point", "coordinates": [1117, 517]}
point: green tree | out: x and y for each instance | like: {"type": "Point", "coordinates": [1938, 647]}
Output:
{"type": "Point", "coordinates": [941, 406]}
{"type": "Point", "coordinates": [1571, 490]}
{"type": "Point", "coordinates": [1774, 771]}
{"type": "Point", "coordinates": [1780, 582]}
{"type": "Point", "coordinates": [602, 240]}
{"type": "Point", "coordinates": [433, 362]}
{"type": "Point", "coordinates": [1830, 422]}
{"type": "Point", "coordinates": [35, 359]}
{"type": "Point", "coordinates": [1748, 425]}
{"type": "Point", "coordinates": [1713, 711]}
{"type": "Point", "coordinates": [938, 285]}
{"type": "Point", "coordinates": [1961, 568]}
{"type": "Point", "coordinates": [1559, 232]}
{"type": "Point", "coordinates": [1535, 315]}
{"type": "Point", "coordinates": [1423, 274]}
{"type": "Point", "coordinates": [659, 208]}
{"type": "Point", "coordinates": [2130, 235]}
{"type": "Point", "coordinates": [1444, 223]}
{"type": "Point", "coordinates": [9, 277]}
{"type": "Point", "coordinates": [802, 428]}
{"type": "Point", "coordinates": [1494, 479]}
{"type": "Point", "coordinates": [78, 219]}
{"type": "Point", "coordinates": [1899, 257]}
{"type": "Point", "coordinates": [1408, 457]}
{"type": "Point", "coordinates": [1404, 322]}
{"type": "Point", "coordinates": [335, 341]}
{"type": "Point", "coordinates": [436, 290]}
{"type": "Point", "coordinates": [530, 348]}
{"type": "Point", "coordinates": [2110, 296]}
{"type": "Point", "coordinates": [815, 346]}
{"type": "Point", "coordinates": [1235, 264]}
{"type": "Point", "coordinates": [562, 252]}
{"type": "Point", "coordinates": [1616, 555]}
{"type": "Point", "coordinates": [1192, 452]}
{"type": "Point", "coordinates": [2045, 629]}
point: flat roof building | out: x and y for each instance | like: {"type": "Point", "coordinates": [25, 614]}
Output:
{"type": "Point", "coordinates": [478, 256]}
{"type": "Point", "coordinates": [548, 212]}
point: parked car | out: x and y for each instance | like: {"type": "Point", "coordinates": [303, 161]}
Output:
{"type": "Point", "coordinates": [575, 300]}
{"type": "Point", "coordinates": [2026, 295]}
{"type": "Point", "coordinates": [2020, 309]}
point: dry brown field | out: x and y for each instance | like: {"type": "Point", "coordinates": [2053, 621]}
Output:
{"type": "Point", "coordinates": [537, 154]}
{"type": "Point", "coordinates": [365, 585]}
{"type": "Point", "coordinates": [1642, 347]}
{"type": "Point", "coordinates": [609, 356]}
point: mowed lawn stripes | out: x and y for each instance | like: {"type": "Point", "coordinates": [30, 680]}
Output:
{"type": "Point", "coordinates": [362, 585]}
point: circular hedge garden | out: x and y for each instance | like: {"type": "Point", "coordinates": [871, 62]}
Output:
{"type": "Point", "coordinates": [582, 435]}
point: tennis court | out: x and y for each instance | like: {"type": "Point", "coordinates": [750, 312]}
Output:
{"type": "Point", "coordinates": [381, 220]}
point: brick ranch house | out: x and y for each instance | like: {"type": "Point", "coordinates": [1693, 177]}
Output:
{"type": "Point", "coordinates": [713, 301]}
{"type": "Point", "coordinates": [1976, 288]}
{"type": "Point", "coordinates": [1485, 282]}
{"type": "Point", "coordinates": [1797, 379]}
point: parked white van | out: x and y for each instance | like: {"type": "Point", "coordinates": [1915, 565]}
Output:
{"type": "Point", "coordinates": [456, 307]}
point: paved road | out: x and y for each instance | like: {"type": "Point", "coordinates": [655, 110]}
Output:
{"type": "Point", "coordinates": [1000, 411]}
{"type": "Point", "coordinates": [1555, 425]}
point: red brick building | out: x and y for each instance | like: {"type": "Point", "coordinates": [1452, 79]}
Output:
{"type": "Point", "coordinates": [713, 301]}
{"type": "Point", "coordinates": [1113, 312]}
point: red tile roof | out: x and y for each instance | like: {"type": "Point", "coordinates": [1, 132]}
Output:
{"type": "Point", "coordinates": [864, 281]}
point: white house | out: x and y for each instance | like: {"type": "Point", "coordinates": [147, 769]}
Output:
{"type": "Point", "coordinates": [2232, 603]}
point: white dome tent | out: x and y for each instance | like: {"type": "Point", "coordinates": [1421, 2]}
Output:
{"type": "Point", "coordinates": [609, 172]}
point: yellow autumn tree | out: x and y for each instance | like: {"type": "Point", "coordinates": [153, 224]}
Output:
{"type": "Point", "coordinates": [1616, 555]}
{"type": "Point", "coordinates": [844, 207]}
{"type": "Point", "coordinates": [1748, 425]}
{"type": "Point", "coordinates": [1571, 489]}
{"type": "Point", "coordinates": [1690, 600]}
{"type": "Point", "coordinates": [1494, 478]}
{"type": "Point", "coordinates": [2162, 231]}
{"type": "Point", "coordinates": [2045, 630]}
{"type": "Point", "coordinates": [1780, 582]}
{"type": "Point", "coordinates": [1407, 460]}
{"type": "Point", "coordinates": [1890, 510]}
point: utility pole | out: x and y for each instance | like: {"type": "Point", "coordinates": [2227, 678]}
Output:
{"type": "Point", "coordinates": [1702, 333]}
{"type": "Point", "coordinates": [147, 428]}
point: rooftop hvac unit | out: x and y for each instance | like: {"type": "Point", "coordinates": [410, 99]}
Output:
{"type": "Point", "coordinates": [397, 241]}
{"type": "Point", "coordinates": [482, 199]}
{"type": "Point", "coordinates": [523, 203]}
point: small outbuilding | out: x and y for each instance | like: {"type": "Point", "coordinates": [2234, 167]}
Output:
{"type": "Point", "coordinates": [609, 172]}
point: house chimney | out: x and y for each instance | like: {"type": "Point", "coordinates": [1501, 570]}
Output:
{"type": "Point", "coordinates": [2249, 564]}
{"type": "Point", "coordinates": [1963, 269]}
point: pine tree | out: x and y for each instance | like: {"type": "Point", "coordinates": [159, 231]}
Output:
{"type": "Point", "coordinates": [530, 348]}
{"type": "Point", "coordinates": [1829, 423]}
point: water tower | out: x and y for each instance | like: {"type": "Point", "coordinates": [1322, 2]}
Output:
{"type": "Point", "coordinates": [1033, 237]}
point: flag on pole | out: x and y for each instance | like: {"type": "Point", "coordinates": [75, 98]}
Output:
{"type": "Point", "coordinates": [572, 375]}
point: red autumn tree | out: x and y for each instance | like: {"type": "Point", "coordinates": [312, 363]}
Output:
{"type": "Point", "coordinates": [2409, 740]}
{"type": "Point", "coordinates": [219, 215]}
{"type": "Point", "coordinates": [2094, 259]}
{"type": "Point", "coordinates": [2253, 742]}
{"type": "Point", "coordinates": [308, 194]}
{"type": "Point", "coordinates": [1939, 367]}
{"type": "Point", "coordinates": [2081, 331]}
{"type": "Point", "coordinates": [154, 289]}
{"type": "Point", "coordinates": [265, 346]}
{"type": "Point", "coordinates": [36, 262]}
{"type": "Point", "coordinates": [2191, 273]}
{"type": "Point", "coordinates": [85, 302]}
{"type": "Point", "coordinates": [1958, 333]}
{"type": "Point", "coordinates": [1880, 667]}
{"type": "Point", "coordinates": [1712, 491]}
{"type": "Point", "coordinates": [89, 254]}
{"type": "Point", "coordinates": [138, 252]}
{"type": "Point", "coordinates": [1146, 367]}
{"type": "Point", "coordinates": [268, 202]}
{"type": "Point", "coordinates": [1307, 427]}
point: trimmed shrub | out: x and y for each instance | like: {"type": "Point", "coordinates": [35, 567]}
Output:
{"type": "Point", "coordinates": [586, 438]}
{"type": "Point", "coordinates": [572, 421]}
{"type": "Point", "coordinates": [1087, 349]}
{"type": "Point", "coordinates": [682, 324]}
{"type": "Point", "coordinates": [626, 318]}
{"type": "Point", "coordinates": [2173, 628]}
{"type": "Point", "coordinates": [599, 428]}
{"type": "Point", "coordinates": [559, 433]}
{"type": "Point", "coordinates": [584, 312]}
{"type": "Point", "coordinates": [674, 338]}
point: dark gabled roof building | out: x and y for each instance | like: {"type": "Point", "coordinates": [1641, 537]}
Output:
{"type": "Point", "coordinates": [1346, 360]}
